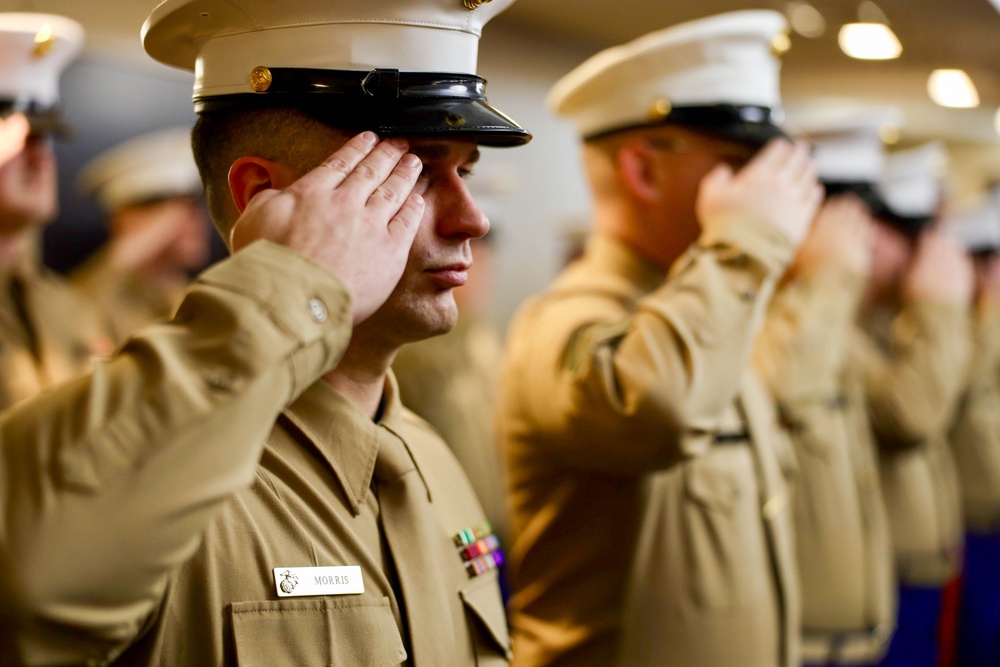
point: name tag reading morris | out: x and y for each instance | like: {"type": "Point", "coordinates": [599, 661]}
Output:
{"type": "Point", "coordinates": [301, 581]}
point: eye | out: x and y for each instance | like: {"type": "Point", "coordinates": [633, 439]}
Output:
{"type": "Point", "coordinates": [465, 173]}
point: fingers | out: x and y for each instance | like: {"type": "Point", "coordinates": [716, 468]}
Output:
{"type": "Point", "coordinates": [390, 196]}
{"type": "Point", "coordinates": [375, 168]}
{"type": "Point", "coordinates": [335, 169]}
{"type": "Point", "coordinates": [405, 223]}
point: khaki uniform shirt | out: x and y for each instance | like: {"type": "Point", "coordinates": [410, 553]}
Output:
{"type": "Point", "coordinates": [451, 381]}
{"type": "Point", "coordinates": [975, 433]}
{"type": "Point", "coordinates": [108, 483]}
{"type": "Point", "coordinates": [312, 505]}
{"type": "Point", "coordinates": [841, 530]}
{"type": "Point", "coordinates": [614, 374]}
{"type": "Point", "coordinates": [128, 302]}
{"type": "Point", "coordinates": [912, 369]}
{"type": "Point", "coordinates": [48, 331]}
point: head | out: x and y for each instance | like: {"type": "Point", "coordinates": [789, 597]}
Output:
{"type": "Point", "coordinates": [35, 49]}
{"type": "Point", "coordinates": [658, 113]}
{"type": "Point", "coordinates": [29, 187]}
{"type": "Point", "coordinates": [186, 249]}
{"type": "Point", "coordinates": [645, 183]}
{"type": "Point", "coordinates": [892, 253]}
{"type": "Point", "coordinates": [242, 153]}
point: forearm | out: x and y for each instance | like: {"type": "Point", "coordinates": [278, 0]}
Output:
{"type": "Point", "coordinates": [109, 481]}
{"type": "Point", "coordinates": [802, 347]}
{"type": "Point", "coordinates": [913, 389]}
{"type": "Point", "coordinates": [662, 372]}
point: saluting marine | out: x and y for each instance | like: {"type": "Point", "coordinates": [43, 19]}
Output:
{"type": "Point", "coordinates": [841, 530]}
{"type": "Point", "coordinates": [150, 191]}
{"type": "Point", "coordinates": [636, 361]}
{"type": "Point", "coordinates": [908, 359]}
{"type": "Point", "coordinates": [349, 481]}
{"type": "Point", "coordinates": [975, 439]}
{"type": "Point", "coordinates": [48, 330]}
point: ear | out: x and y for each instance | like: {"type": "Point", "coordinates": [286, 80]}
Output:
{"type": "Point", "coordinates": [250, 175]}
{"type": "Point", "coordinates": [637, 168]}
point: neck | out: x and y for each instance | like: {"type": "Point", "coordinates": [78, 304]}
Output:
{"type": "Point", "coordinates": [360, 376]}
{"type": "Point", "coordinates": [640, 231]}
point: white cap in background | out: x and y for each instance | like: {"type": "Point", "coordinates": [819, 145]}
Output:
{"type": "Point", "coordinates": [153, 166]}
{"type": "Point", "coordinates": [718, 74]}
{"type": "Point", "coordinates": [35, 49]}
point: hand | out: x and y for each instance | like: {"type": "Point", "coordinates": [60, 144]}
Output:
{"type": "Point", "coordinates": [144, 235]}
{"type": "Point", "coordinates": [13, 131]}
{"type": "Point", "coordinates": [941, 271]}
{"type": "Point", "coordinates": [841, 236]}
{"type": "Point", "coordinates": [778, 186]}
{"type": "Point", "coordinates": [355, 215]}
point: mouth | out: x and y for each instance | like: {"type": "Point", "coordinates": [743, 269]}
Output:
{"type": "Point", "coordinates": [453, 275]}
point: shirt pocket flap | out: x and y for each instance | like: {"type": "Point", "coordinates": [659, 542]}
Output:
{"type": "Point", "coordinates": [341, 632]}
{"type": "Point", "coordinates": [712, 487]}
{"type": "Point", "coordinates": [482, 599]}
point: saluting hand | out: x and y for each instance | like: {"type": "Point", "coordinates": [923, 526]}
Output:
{"type": "Point", "coordinates": [941, 271]}
{"type": "Point", "coordinates": [355, 214]}
{"type": "Point", "coordinates": [778, 186]}
{"type": "Point", "coordinates": [842, 235]}
{"type": "Point", "coordinates": [13, 131]}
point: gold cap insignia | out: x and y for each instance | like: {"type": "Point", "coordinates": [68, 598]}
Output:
{"type": "Point", "coordinates": [474, 4]}
{"type": "Point", "coordinates": [780, 44]}
{"type": "Point", "coordinates": [45, 39]}
{"type": "Point", "coordinates": [260, 79]}
{"type": "Point", "coordinates": [661, 109]}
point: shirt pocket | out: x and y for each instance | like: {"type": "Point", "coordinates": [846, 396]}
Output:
{"type": "Point", "coordinates": [487, 622]}
{"type": "Point", "coordinates": [716, 491]}
{"type": "Point", "coordinates": [316, 632]}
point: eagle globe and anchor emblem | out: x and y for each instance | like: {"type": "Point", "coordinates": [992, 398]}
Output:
{"type": "Point", "coordinates": [289, 582]}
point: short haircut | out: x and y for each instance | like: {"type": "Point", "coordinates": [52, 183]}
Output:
{"type": "Point", "coordinates": [284, 135]}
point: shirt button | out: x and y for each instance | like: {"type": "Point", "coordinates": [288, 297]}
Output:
{"type": "Point", "coordinates": [318, 310]}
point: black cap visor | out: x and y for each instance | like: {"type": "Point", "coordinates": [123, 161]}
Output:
{"type": "Point", "coordinates": [751, 125]}
{"type": "Point", "coordinates": [387, 102]}
{"type": "Point", "coordinates": [869, 194]}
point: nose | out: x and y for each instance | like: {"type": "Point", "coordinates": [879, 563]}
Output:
{"type": "Point", "coordinates": [459, 216]}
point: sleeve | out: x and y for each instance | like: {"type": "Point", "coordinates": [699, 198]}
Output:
{"type": "Point", "coordinates": [108, 482]}
{"type": "Point", "coordinates": [913, 387]}
{"type": "Point", "coordinates": [607, 389]}
{"type": "Point", "coordinates": [802, 347]}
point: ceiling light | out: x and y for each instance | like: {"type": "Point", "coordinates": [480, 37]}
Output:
{"type": "Point", "coordinates": [805, 19]}
{"type": "Point", "coordinates": [869, 41]}
{"type": "Point", "coordinates": [952, 88]}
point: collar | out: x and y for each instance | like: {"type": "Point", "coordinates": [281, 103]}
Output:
{"type": "Point", "coordinates": [344, 437]}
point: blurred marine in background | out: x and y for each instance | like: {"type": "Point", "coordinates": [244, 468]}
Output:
{"type": "Point", "coordinates": [635, 361]}
{"type": "Point", "coordinates": [150, 191]}
{"type": "Point", "coordinates": [48, 330]}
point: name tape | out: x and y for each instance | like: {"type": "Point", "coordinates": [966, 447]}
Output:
{"type": "Point", "coordinates": [302, 581]}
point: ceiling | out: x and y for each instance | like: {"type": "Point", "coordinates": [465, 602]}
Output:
{"type": "Point", "coordinates": [934, 34]}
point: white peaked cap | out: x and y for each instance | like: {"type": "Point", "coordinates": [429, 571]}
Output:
{"type": "Point", "coordinates": [34, 51]}
{"type": "Point", "coordinates": [913, 181]}
{"type": "Point", "coordinates": [847, 145]}
{"type": "Point", "coordinates": [978, 228]}
{"type": "Point", "coordinates": [152, 166]}
{"type": "Point", "coordinates": [726, 59]}
{"type": "Point", "coordinates": [224, 40]}
{"type": "Point", "coordinates": [398, 67]}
